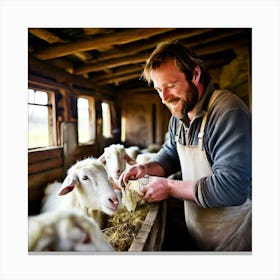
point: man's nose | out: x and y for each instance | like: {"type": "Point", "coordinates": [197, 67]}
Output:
{"type": "Point", "coordinates": [165, 95]}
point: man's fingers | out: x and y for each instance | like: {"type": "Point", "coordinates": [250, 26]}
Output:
{"type": "Point", "coordinates": [122, 182]}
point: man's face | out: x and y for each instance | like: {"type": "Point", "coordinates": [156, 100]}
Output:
{"type": "Point", "coordinates": [178, 94]}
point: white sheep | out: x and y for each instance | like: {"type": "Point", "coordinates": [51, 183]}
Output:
{"type": "Point", "coordinates": [65, 231]}
{"type": "Point", "coordinates": [115, 160]}
{"type": "Point", "coordinates": [87, 188]}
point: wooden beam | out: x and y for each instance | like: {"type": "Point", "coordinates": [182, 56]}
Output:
{"type": "Point", "coordinates": [134, 48]}
{"type": "Point", "coordinates": [122, 37]}
{"type": "Point", "coordinates": [46, 35]}
{"type": "Point", "coordinates": [140, 57]}
{"type": "Point", "coordinates": [119, 79]}
{"type": "Point", "coordinates": [36, 66]}
{"type": "Point", "coordinates": [119, 72]}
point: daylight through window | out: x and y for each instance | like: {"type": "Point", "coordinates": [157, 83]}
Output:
{"type": "Point", "coordinates": [106, 117]}
{"type": "Point", "coordinates": [40, 132]}
{"type": "Point", "coordinates": [86, 120]}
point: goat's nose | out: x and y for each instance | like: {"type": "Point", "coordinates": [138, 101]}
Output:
{"type": "Point", "coordinates": [114, 201]}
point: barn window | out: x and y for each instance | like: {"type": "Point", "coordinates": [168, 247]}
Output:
{"type": "Point", "coordinates": [106, 119]}
{"type": "Point", "coordinates": [86, 120]}
{"type": "Point", "coordinates": [41, 128]}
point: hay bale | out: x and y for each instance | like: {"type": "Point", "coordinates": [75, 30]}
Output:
{"type": "Point", "coordinates": [122, 228]}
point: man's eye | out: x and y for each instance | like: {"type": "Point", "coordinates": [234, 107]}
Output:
{"type": "Point", "coordinates": [171, 85]}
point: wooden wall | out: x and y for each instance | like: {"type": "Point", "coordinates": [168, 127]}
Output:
{"type": "Point", "coordinates": [44, 166]}
{"type": "Point", "coordinates": [146, 119]}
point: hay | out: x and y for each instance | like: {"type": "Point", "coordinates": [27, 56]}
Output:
{"type": "Point", "coordinates": [122, 228]}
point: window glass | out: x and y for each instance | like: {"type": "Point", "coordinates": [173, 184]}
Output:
{"type": "Point", "coordinates": [86, 120]}
{"type": "Point", "coordinates": [38, 119]}
{"type": "Point", "coordinates": [106, 120]}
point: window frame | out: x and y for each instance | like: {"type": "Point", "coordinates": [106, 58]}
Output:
{"type": "Point", "coordinates": [92, 120]}
{"type": "Point", "coordinates": [52, 128]}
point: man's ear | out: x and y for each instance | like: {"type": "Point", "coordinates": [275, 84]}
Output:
{"type": "Point", "coordinates": [196, 75]}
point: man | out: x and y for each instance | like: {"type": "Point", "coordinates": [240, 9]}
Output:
{"type": "Point", "coordinates": [210, 141]}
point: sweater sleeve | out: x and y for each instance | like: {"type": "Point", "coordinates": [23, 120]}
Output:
{"type": "Point", "coordinates": [168, 157]}
{"type": "Point", "coordinates": [228, 147]}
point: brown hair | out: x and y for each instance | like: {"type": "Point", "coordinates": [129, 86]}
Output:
{"type": "Point", "coordinates": [183, 57]}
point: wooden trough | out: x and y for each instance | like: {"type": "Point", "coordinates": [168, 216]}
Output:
{"type": "Point", "coordinates": [151, 234]}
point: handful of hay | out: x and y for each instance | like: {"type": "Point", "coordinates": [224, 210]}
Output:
{"type": "Point", "coordinates": [122, 228]}
{"type": "Point", "coordinates": [132, 195]}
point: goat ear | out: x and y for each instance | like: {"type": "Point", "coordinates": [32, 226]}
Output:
{"type": "Point", "coordinates": [102, 159]}
{"type": "Point", "coordinates": [129, 160]}
{"type": "Point", "coordinates": [68, 185]}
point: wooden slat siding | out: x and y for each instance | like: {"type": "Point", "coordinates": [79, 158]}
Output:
{"type": "Point", "coordinates": [45, 165]}
{"type": "Point", "coordinates": [36, 186]}
{"type": "Point", "coordinates": [151, 234]}
{"type": "Point", "coordinates": [39, 155]}
{"type": "Point", "coordinates": [39, 180]}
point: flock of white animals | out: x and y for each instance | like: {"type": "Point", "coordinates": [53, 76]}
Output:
{"type": "Point", "coordinates": [73, 211]}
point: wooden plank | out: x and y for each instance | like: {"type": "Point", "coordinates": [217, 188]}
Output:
{"type": "Point", "coordinates": [36, 66]}
{"type": "Point", "coordinates": [44, 154]}
{"type": "Point", "coordinates": [46, 35]}
{"type": "Point", "coordinates": [150, 235]}
{"type": "Point", "coordinates": [121, 37]}
{"type": "Point", "coordinates": [43, 178]}
{"type": "Point", "coordinates": [116, 62]}
{"type": "Point", "coordinates": [133, 48]}
{"type": "Point", "coordinates": [119, 79]}
{"type": "Point", "coordinates": [36, 167]}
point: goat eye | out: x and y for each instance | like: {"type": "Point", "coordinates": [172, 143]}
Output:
{"type": "Point", "coordinates": [85, 177]}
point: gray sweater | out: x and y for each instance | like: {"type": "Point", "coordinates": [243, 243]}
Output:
{"type": "Point", "coordinates": [228, 145]}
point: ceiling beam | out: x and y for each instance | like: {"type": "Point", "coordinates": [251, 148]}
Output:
{"type": "Point", "coordinates": [121, 37]}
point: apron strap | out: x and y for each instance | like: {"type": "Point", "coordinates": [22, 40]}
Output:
{"type": "Point", "coordinates": [178, 129]}
{"type": "Point", "coordinates": [203, 122]}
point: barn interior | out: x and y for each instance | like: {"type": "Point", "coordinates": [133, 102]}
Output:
{"type": "Point", "coordinates": [106, 64]}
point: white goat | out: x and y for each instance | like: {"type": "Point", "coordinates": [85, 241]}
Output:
{"type": "Point", "coordinates": [87, 188]}
{"type": "Point", "coordinates": [145, 157]}
{"type": "Point", "coordinates": [65, 231]}
{"type": "Point", "coordinates": [115, 160]}
{"type": "Point", "coordinates": [132, 151]}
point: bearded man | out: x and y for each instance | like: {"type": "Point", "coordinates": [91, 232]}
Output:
{"type": "Point", "coordinates": [210, 142]}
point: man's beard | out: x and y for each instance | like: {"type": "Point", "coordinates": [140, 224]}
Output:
{"type": "Point", "coordinates": [188, 103]}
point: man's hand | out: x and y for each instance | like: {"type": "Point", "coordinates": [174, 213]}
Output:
{"type": "Point", "coordinates": [156, 190]}
{"type": "Point", "coordinates": [132, 173]}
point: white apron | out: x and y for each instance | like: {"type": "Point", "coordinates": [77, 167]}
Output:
{"type": "Point", "coordinates": [221, 229]}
